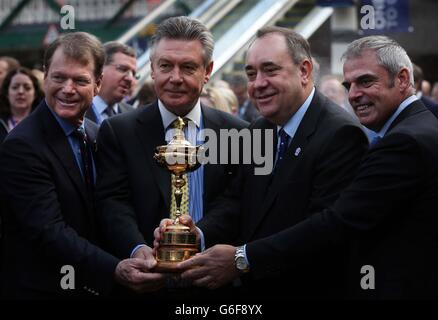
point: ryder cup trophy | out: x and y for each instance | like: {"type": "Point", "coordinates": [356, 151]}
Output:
{"type": "Point", "coordinates": [179, 157]}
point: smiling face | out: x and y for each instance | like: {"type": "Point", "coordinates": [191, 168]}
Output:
{"type": "Point", "coordinates": [70, 86]}
{"type": "Point", "coordinates": [21, 92]}
{"type": "Point", "coordinates": [277, 85]}
{"type": "Point", "coordinates": [372, 92]}
{"type": "Point", "coordinates": [179, 73]}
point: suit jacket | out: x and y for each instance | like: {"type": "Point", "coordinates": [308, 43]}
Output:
{"type": "Point", "coordinates": [133, 190]}
{"type": "Point", "coordinates": [320, 161]}
{"type": "Point", "coordinates": [3, 130]}
{"type": "Point", "coordinates": [430, 104]}
{"type": "Point", "coordinates": [49, 221]}
{"type": "Point", "coordinates": [387, 214]}
{"type": "Point", "coordinates": [250, 113]}
{"type": "Point", "coordinates": [123, 107]}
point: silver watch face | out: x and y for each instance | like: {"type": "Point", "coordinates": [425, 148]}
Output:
{"type": "Point", "coordinates": [241, 263]}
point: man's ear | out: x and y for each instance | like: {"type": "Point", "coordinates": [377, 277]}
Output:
{"type": "Point", "coordinates": [152, 71]}
{"type": "Point", "coordinates": [403, 79]}
{"type": "Point", "coordinates": [98, 85]}
{"type": "Point", "coordinates": [208, 72]}
{"type": "Point", "coordinates": [306, 68]}
{"type": "Point", "coordinates": [45, 71]}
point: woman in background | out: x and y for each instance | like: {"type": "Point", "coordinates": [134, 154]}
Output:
{"type": "Point", "coordinates": [20, 93]}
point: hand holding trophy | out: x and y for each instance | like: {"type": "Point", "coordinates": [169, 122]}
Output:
{"type": "Point", "coordinates": [177, 242]}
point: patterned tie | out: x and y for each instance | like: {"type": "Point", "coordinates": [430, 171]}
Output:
{"type": "Point", "coordinates": [86, 159]}
{"type": "Point", "coordinates": [185, 188]}
{"type": "Point", "coordinates": [284, 143]}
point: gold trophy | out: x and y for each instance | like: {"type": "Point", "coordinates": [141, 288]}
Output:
{"type": "Point", "coordinates": [177, 243]}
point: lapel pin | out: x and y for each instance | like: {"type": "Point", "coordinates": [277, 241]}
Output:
{"type": "Point", "coordinates": [297, 151]}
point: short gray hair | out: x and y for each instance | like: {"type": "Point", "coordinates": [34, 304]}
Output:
{"type": "Point", "coordinates": [390, 54]}
{"type": "Point", "coordinates": [298, 47]}
{"type": "Point", "coordinates": [185, 28]}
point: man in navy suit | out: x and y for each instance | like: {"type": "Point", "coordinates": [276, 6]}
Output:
{"type": "Point", "coordinates": [47, 186]}
{"type": "Point", "coordinates": [388, 213]}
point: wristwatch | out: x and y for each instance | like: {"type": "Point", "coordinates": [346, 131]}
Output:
{"type": "Point", "coordinates": [240, 261]}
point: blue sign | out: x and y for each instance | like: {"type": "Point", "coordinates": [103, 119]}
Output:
{"type": "Point", "coordinates": [335, 3]}
{"type": "Point", "coordinates": [384, 16]}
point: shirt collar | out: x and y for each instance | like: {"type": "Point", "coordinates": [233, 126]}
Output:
{"type": "Point", "coordinates": [400, 108]}
{"type": "Point", "coordinates": [168, 117]}
{"type": "Point", "coordinates": [292, 124]}
{"type": "Point", "coordinates": [100, 105]}
{"type": "Point", "coordinates": [66, 126]}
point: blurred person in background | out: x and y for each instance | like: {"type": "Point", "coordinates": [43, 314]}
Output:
{"type": "Point", "coordinates": [418, 81]}
{"type": "Point", "coordinates": [40, 76]}
{"type": "Point", "coordinates": [19, 95]}
{"type": "Point", "coordinates": [118, 81]}
{"type": "Point", "coordinates": [426, 88]}
{"type": "Point", "coordinates": [239, 84]}
{"type": "Point", "coordinates": [332, 88]}
{"type": "Point", "coordinates": [7, 64]}
{"type": "Point", "coordinates": [434, 92]}
{"type": "Point", "coordinates": [147, 94]}
{"type": "Point", "coordinates": [215, 98]}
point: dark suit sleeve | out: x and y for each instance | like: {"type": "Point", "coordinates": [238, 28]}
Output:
{"type": "Point", "coordinates": [389, 172]}
{"type": "Point", "coordinates": [336, 166]}
{"type": "Point", "coordinates": [28, 185]}
{"type": "Point", "coordinates": [222, 223]}
{"type": "Point", "coordinates": [117, 217]}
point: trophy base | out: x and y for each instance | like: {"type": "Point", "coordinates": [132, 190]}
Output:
{"type": "Point", "coordinates": [177, 245]}
{"type": "Point", "coordinates": [169, 257]}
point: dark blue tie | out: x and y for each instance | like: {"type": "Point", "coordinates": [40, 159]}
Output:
{"type": "Point", "coordinates": [375, 140]}
{"type": "Point", "coordinates": [109, 111]}
{"type": "Point", "coordinates": [86, 159]}
{"type": "Point", "coordinates": [284, 143]}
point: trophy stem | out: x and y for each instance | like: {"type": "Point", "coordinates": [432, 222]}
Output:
{"type": "Point", "coordinates": [179, 183]}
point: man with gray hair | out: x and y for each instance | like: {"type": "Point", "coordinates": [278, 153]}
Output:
{"type": "Point", "coordinates": [134, 192]}
{"type": "Point", "coordinates": [119, 77]}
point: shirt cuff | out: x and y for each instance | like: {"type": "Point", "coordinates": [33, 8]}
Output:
{"type": "Point", "coordinates": [136, 248]}
{"type": "Point", "coordinates": [245, 256]}
{"type": "Point", "coordinates": [202, 239]}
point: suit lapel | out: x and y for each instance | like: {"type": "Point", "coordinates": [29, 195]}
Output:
{"type": "Point", "coordinates": [58, 143]}
{"type": "Point", "coordinates": [414, 107]}
{"type": "Point", "coordinates": [150, 131]}
{"type": "Point", "coordinates": [293, 155]}
{"type": "Point", "coordinates": [124, 107]}
{"type": "Point", "coordinates": [89, 114]}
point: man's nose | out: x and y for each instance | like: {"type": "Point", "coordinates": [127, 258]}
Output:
{"type": "Point", "coordinates": [69, 86]}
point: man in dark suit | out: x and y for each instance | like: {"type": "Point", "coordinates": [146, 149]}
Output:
{"type": "Point", "coordinates": [134, 192]}
{"type": "Point", "coordinates": [118, 80]}
{"type": "Point", "coordinates": [319, 147]}
{"type": "Point", "coordinates": [47, 187]}
{"type": "Point", "coordinates": [388, 213]}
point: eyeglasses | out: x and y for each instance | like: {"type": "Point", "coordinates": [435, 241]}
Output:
{"type": "Point", "coordinates": [126, 71]}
